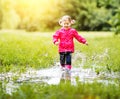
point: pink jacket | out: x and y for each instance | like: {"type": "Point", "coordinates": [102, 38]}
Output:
{"type": "Point", "coordinates": [66, 39]}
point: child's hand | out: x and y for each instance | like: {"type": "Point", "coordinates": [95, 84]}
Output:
{"type": "Point", "coordinates": [56, 43]}
{"type": "Point", "coordinates": [86, 43]}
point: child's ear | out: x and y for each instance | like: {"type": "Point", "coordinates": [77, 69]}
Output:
{"type": "Point", "coordinates": [60, 22]}
{"type": "Point", "coordinates": [72, 21]}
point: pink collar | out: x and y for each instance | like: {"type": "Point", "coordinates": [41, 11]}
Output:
{"type": "Point", "coordinates": [65, 29]}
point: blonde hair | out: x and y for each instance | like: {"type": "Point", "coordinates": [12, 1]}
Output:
{"type": "Point", "coordinates": [66, 17]}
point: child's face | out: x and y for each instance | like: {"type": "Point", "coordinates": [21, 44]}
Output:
{"type": "Point", "coordinates": [66, 23]}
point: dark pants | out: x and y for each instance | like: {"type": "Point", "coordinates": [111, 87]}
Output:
{"type": "Point", "coordinates": [65, 58]}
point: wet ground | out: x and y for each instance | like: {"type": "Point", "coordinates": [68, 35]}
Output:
{"type": "Point", "coordinates": [55, 75]}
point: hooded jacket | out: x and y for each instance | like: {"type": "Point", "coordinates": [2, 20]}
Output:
{"type": "Point", "coordinates": [65, 37]}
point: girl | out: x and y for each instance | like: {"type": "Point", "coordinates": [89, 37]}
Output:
{"type": "Point", "coordinates": [64, 38]}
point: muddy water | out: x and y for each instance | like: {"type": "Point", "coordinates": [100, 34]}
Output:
{"type": "Point", "coordinates": [55, 75]}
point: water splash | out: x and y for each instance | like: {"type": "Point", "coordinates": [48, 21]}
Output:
{"type": "Point", "coordinates": [55, 75]}
{"type": "Point", "coordinates": [100, 58]}
{"type": "Point", "coordinates": [80, 57]}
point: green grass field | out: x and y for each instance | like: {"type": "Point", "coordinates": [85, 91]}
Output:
{"type": "Point", "coordinates": [21, 50]}
{"type": "Point", "coordinates": [26, 50]}
{"type": "Point", "coordinates": [37, 50]}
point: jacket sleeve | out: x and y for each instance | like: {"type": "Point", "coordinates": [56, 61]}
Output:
{"type": "Point", "coordinates": [56, 37]}
{"type": "Point", "coordinates": [79, 38]}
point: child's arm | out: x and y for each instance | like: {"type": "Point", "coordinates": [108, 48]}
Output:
{"type": "Point", "coordinates": [55, 38]}
{"type": "Point", "coordinates": [80, 38]}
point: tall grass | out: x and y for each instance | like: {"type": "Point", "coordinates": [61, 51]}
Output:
{"type": "Point", "coordinates": [26, 50]}
{"type": "Point", "coordinates": [19, 51]}
{"type": "Point", "coordinates": [65, 91]}
{"type": "Point", "coordinates": [36, 50]}
{"type": "Point", "coordinates": [102, 53]}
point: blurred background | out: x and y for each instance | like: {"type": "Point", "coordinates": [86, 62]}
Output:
{"type": "Point", "coordinates": [29, 61]}
{"type": "Point", "coordinates": [43, 15]}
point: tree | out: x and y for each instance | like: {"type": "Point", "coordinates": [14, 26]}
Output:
{"type": "Point", "coordinates": [114, 7]}
{"type": "Point", "coordinates": [10, 19]}
{"type": "Point", "coordinates": [43, 15]}
{"type": "Point", "coordinates": [0, 15]}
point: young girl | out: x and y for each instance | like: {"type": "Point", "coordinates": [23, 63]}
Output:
{"type": "Point", "coordinates": [64, 38]}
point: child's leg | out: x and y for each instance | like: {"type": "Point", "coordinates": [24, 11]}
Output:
{"type": "Point", "coordinates": [68, 60]}
{"type": "Point", "coordinates": [62, 59]}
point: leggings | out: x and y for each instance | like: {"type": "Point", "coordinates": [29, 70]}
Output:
{"type": "Point", "coordinates": [65, 58]}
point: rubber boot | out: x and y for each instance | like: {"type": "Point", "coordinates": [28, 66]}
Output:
{"type": "Point", "coordinates": [68, 67]}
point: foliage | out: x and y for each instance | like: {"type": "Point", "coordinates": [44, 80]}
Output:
{"type": "Point", "coordinates": [115, 22]}
{"type": "Point", "coordinates": [10, 19]}
{"type": "Point", "coordinates": [114, 6]}
{"type": "Point", "coordinates": [92, 18]}
{"type": "Point", "coordinates": [39, 15]}
{"type": "Point", "coordinates": [0, 16]}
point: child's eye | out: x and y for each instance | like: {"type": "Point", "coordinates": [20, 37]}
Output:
{"type": "Point", "coordinates": [64, 20]}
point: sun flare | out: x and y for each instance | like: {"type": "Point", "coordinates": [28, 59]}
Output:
{"type": "Point", "coordinates": [36, 8]}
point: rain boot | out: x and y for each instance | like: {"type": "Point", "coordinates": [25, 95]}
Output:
{"type": "Point", "coordinates": [68, 67]}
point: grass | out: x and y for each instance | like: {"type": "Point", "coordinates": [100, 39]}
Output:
{"type": "Point", "coordinates": [19, 51]}
{"type": "Point", "coordinates": [26, 50]}
{"type": "Point", "coordinates": [23, 50]}
{"type": "Point", "coordinates": [102, 53]}
{"type": "Point", "coordinates": [65, 91]}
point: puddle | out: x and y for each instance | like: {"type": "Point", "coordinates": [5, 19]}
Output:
{"type": "Point", "coordinates": [55, 75]}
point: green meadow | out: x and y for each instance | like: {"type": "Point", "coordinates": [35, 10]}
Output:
{"type": "Point", "coordinates": [20, 50]}
{"type": "Point", "coordinates": [38, 51]}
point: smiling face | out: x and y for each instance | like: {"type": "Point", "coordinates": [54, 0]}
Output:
{"type": "Point", "coordinates": [65, 21]}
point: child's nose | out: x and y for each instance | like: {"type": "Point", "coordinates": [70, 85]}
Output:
{"type": "Point", "coordinates": [66, 22]}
